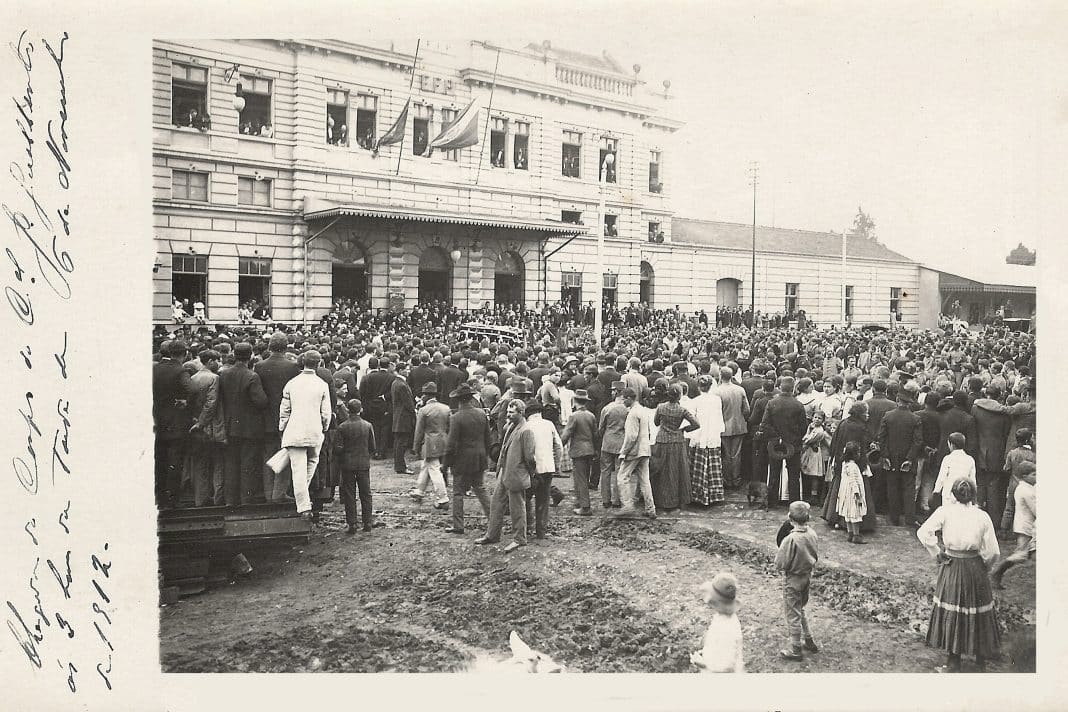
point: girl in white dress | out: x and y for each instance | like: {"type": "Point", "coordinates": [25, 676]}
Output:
{"type": "Point", "coordinates": [851, 504]}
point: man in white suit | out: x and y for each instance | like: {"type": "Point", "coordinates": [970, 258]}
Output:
{"type": "Point", "coordinates": [303, 417]}
{"type": "Point", "coordinates": [634, 458]}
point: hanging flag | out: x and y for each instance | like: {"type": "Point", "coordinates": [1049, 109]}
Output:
{"type": "Point", "coordinates": [396, 131]}
{"type": "Point", "coordinates": [461, 132]}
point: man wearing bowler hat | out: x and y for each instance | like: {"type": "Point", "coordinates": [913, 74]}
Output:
{"type": "Point", "coordinates": [611, 428]}
{"type": "Point", "coordinates": [467, 453]}
{"type": "Point", "coordinates": [579, 435]}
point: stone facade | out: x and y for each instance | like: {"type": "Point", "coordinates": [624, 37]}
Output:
{"type": "Point", "coordinates": [324, 218]}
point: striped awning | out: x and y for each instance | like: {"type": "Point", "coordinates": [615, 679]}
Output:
{"type": "Point", "coordinates": [431, 216]}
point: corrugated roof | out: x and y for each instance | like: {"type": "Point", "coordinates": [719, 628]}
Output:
{"type": "Point", "coordinates": [417, 215]}
{"type": "Point", "coordinates": [996, 274]}
{"type": "Point", "coordinates": [777, 239]}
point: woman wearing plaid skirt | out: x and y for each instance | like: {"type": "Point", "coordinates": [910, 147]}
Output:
{"type": "Point", "coordinates": [963, 619]}
{"type": "Point", "coordinates": [706, 469]}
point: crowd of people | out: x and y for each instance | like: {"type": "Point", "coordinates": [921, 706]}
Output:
{"type": "Point", "coordinates": [671, 412]}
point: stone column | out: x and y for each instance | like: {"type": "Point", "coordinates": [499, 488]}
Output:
{"type": "Point", "coordinates": [298, 303]}
{"type": "Point", "coordinates": [395, 272]}
{"type": "Point", "coordinates": [475, 292]}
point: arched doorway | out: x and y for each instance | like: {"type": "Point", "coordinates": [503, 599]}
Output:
{"type": "Point", "coordinates": [435, 276]}
{"type": "Point", "coordinates": [508, 279]}
{"type": "Point", "coordinates": [645, 287]}
{"type": "Point", "coordinates": [727, 292]}
{"type": "Point", "coordinates": [350, 273]}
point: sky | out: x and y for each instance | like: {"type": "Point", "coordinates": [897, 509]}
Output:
{"type": "Point", "coordinates": [944, 123]}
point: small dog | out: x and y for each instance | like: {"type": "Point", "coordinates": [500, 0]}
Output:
{"type": "Point", "coordinates": [758, 494]}
{"type": "Point", "coordinates": [524, 660]}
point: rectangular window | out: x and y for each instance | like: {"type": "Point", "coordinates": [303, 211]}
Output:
{"type": "Point", "coordinates": [849, 302]}
{"type": "Point", "coordinates": [655, 186]}
{"type": "Point", "coordinates": [421, 130]}
{"type": "Point", "coordinates": [366, 120]}
{"type": "Point", "coordinates": [609, 288]}
{"type": "Point", "coordinates": [189, 280]}
{"type": "Point", "coordinates": [791, 298]}
{"type": "Point", "coordinates": [611, 228]}
{"type": "Point", "coordinates": [571, 216]}
{"type": "Point", "coordinates": [498, 142]}
{"type": "Point", "coordinates": [571, 290]}
{"type": "Point", "coordinates": [521, 149]}
{"type": "Point", "coordinates": [189, 96]}
{"type": "Point", "coordinates": [572, 151]}
{"type": "Point", "coordinates": [253, 281]}
{"type": "Point", "coordinates": [189, 185]}
{"type": "Point", "coordinates": [255, 118]}
{"type": "Point", "coordinates": [655, 233]}
{"type": "Point", "coordinates": [895, 301]}
{"type": "Point", "coordinates": [337, 117]}
{"type": "Point", "coordinates": [447, 117]}
{"type": "Point", "coordinates": [254, 191]}
{"type": "Point", "coordinates": [609, 146]}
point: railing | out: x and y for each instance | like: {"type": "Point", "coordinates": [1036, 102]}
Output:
{"type": "Point", "coordinates": [596, 82]}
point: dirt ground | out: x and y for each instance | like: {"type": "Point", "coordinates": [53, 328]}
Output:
{"type": "Point", "coordinates": [596, 595]}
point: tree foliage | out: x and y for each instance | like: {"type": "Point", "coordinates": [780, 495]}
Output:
{"type": "Point", "coordinates": [863, 225]}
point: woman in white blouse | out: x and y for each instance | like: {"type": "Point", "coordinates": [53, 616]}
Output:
{"type": "Point", "coordinates": [963, 621]}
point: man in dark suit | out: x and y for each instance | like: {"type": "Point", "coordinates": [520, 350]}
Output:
{"type": "Point", "coordinates": [172, 388]}
{"type": "Point", "coordinates": [353, 445]}
{"type": "Point", "coordinates": [878, 406]}
{"type": "Point", "coordinates": [957, 419]}
{"type": "Point", "coordinates": [244, 404]}
{"type": "Point", "coordinates": [928, 462]}
{"type": "Point", "coordinates": [785, 423]}
{"type": "Point", "coordinates": [449, 379]}
{"type": "Point", "coordinates": [759, 444]}
{"type": "Point", "coordinates": [467, 453]}
{"type": "Point", "coordinates": [275, 372]}
{"type": "Point", "coordinates": [402, 402]}
{"type": "Point", "coordinates": [900, 441]}
{"type": "Point", "coordinates": [375, 393]}
{"type": "Point", "coordinates": [421, 374]}
{"type": "Point", "coordinates": [992, 424]}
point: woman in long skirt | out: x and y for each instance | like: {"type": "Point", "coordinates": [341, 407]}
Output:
{"type": "Point", "coordinates": [670, 460]}
{"type": "Point", "coordinates": [963, 620]}
{"type": "Point", "coordinates": [706, 468]}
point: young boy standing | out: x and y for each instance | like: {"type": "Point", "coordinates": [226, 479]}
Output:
{"type": "Point", "coordinates": [722, 651]}
{"type": "Point", "coordinates": [796, 558]}
{"type": "Point", "coordinates": [354, 444]}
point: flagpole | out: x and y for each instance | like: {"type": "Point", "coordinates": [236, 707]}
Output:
{"type": "Point", "coordinates": [411, 83]}
{"type": "Point", "coordinates": [489, 118]}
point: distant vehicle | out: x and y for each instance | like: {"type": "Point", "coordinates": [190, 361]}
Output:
{"type": "Point", "coordinates": [509, 335]}
{"type": "Point", "coordinates": [874, 327]}
{"type": "Point", "coordinates": [1017, 324]}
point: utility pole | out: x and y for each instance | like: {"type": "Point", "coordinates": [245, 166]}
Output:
{"type": "Point", "coordinates": [754, 172]}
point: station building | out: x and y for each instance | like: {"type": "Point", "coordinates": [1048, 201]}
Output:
{"type": "Point", "coordinates": [267, 186]}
